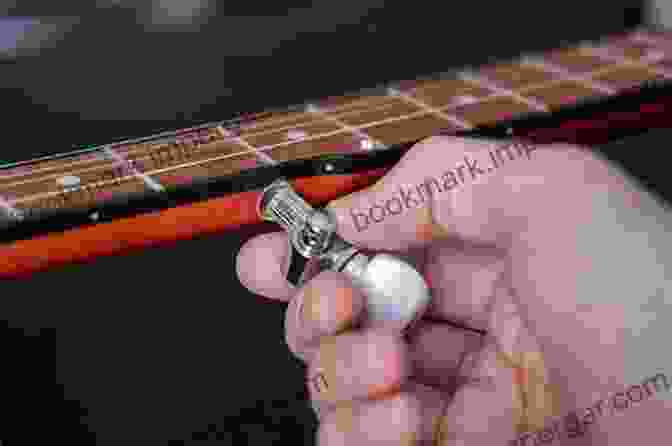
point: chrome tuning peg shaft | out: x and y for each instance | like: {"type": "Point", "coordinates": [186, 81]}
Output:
{"type": "Point", "coordinates": [395, 291]}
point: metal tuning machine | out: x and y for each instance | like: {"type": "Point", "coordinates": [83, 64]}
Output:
{"type": "Point", "coordinates": [395, 291]}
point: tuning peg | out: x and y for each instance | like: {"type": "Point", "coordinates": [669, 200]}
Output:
{"type": "Point", "coordinates": [395, 291]}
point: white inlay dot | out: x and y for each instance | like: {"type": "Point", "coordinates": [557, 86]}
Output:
{"type": "Point", "coordinates": [295, 134]}
{"type": "Point", "coordinates": [69, 181]}
{"type": "Point", "coordinates": [655, 55]}
{"type": "Point", "coordinates": [465, 99]}
{"type": "Point", "coordinates": [391, 91]}
{"type": "Point", "coordinates": [366, 144]}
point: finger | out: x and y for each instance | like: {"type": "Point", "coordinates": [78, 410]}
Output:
{"type": "Point", "coordinates": [357, 365]}
{"type": "Point", "coordinates": [453, 187]}
{"type": "Point", "coordinates": [407, 418]}
{"type": "Point", "coordinates": [486, 409]}
{"type": "Point", "coordinates": [259, 266]}
{"type": "Point", "coordinates": [463, 279]}
{"type": "Point", "coordinates": [506, 388]}
{"type": "Point", "coordinates": [437, 351]}
{"type": "Point", "coordinates": [325, 306]}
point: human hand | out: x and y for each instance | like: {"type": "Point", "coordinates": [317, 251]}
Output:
{"type": "Point", "coordinates": [505, 252]}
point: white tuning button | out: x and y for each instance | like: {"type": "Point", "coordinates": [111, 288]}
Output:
{"type": "Point", "coordinates": [395, 291]}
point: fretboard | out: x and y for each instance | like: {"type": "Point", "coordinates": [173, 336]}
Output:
{"type": "Point", "coordinates": [373, 119]}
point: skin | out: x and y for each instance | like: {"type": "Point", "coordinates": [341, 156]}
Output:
{"type": "Point", "coordinates": [558, 257]}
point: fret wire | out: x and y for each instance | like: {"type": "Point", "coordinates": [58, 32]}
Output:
{"type": "Point", "coordinates": [584, 80]}
{"type": "Point", "coordinates": [336, 132]}
{"type": "Point", "coordinates": [372, 97]}
{"type": "Point", "coordinates": [521, 92]}
{"type": "Point", "coordinates": [296, 127]}
{"type": "Point", "coordinates": [253, 151]}
{"type": "Point", "coordinates": [285, 119]}
{"type": "Point", "coordinates": [595, 52]}
{"type": "Point", "coordinates": [273, 129]}
{"type": "Point", "coordinates": [176, 133]}
{"type": "Point", "coordinates": [32, 197]}
{"type": "Point", "coordinates": [198, 163]}
{"type": "Point", "coordinates": [54, 177]}
{"type": "Point", "coordinates": [479, 100]}
{"type": "Point", "coordinates": [46, 169]}
{"type": "Point", "coordinates": [162, 135]}
{"type": "Point", "coordinates": [311, 108]}
{"type": "Point", "coordinates": [637, 35]}
{"type": "Point", "coordinates": [149, 182]}
{"type": "Point", "coordinates": [355, 113]}
{"type": "Point", "coordinates": [543, 65]}
{"type": "Point", "coordinates": [243, 142]}
{"type": "Point", "coordinates": [139, 150]}
{"type": "Point", "coordinates": [450, 118]}
{"type": "Point", "coordinates": [356, 102]}
{"type": "Point", "coordinates": [75, 162]}
{"type": "Point", "coordinates": [99, 183]}
{"type": "Point", "coordinates": [80, 171]}
{"type": "Point", "coordinates": [338, 111]}
{"type": "Point", "coordinates": [482, 81]}
{"type": "Point", "coordinates": [92, 184]}
{"type": "Point", "coordinates": [262, 149]}
{"type": "Point", "coordinates": [544, 84]}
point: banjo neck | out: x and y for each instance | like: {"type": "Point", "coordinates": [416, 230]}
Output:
{"type": "Point", "coordinates": [172, 184]}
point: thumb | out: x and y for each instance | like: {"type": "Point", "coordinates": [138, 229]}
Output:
{"type": "Point", "coordinates": [487, 409]}
{"type": "Point", "coordinates": [506, 394]}
{"type": "Point", "coordinates": [478, 190]}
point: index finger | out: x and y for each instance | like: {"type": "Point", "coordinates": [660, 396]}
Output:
{"type": "Point", "coordinates": [446, 186]}
{"type": "Point", "coordinates": [259, 266]}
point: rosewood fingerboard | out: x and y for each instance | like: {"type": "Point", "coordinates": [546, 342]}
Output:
{"type": "Point", "coordinates": [370, 120]}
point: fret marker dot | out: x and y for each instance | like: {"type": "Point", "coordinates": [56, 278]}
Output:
{"type": "Point", "coordinates": [69, 181]}
{"type": "Point", "coordinates": [19, 170]}
{"type": "Point", "coordinates": [225, 133]}
{"type": "Point", "coordinates": [94, 216]}
{"type": "Point", "coordinates": [466, 99]}
{"type": "Point", "coordinates": [296, 134]}
{"type": "Point", "coordinates": [655, 56]}
{"type": "Point", "coordinates": [328, 167]}
{"type": "Point", "coordinates": [366, 144]}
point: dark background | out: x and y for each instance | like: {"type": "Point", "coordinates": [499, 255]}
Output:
{"type": "Point", "coordinates": [165, 344]}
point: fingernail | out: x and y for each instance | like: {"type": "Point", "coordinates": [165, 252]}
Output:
{"type": "Point", "coordinates": [390, 364]}
{"type": "Point", "coordinates": [427, 228]}
{"type": "Point", "coordinates": [378, 392]}
{"type": "Point", "coordinates": [334, 314]}
{"type": "Point", "coordinates": [344, 416]}
{"type": "Point", "coordinates": [343, 202]}
{"type": "Point", "coordinates": [319, 382]}
{"type": "Point", "coordinates": [440, 431]}
{"type": "Point", "coordinates": [308, 308]}
{"type": "Point", "coordinates": [327, 367]}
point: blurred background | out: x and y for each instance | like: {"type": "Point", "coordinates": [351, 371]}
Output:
{"type": "Point", "coordinates": [99, 69]}
{"type": "Point", "coordinates": [164, 347]}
